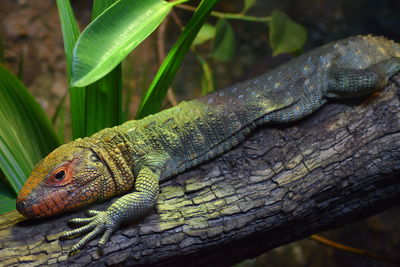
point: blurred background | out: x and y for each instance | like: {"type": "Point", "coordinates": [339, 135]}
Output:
{"type": "Point", "coordinates": [33, 46]}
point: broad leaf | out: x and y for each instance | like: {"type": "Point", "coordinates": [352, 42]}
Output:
{"type": "Point", "coordinates": [157, 91]}
{"type": "Point", "coordinates": [58, 119]}
{"type": "Point", "coordinates": [99, 105]}
{"type": "Point", "coordinates": [285, 35]}
{"type": "Point", "coordinates": [7, 196]}
{"type": "Point", "coordinates": [104, 102]}
{"type": "Point", "coordinates": [104, 97]}
{"type": "Point", "coordinates": [247, 5]}
{"type": "Point", "coordinates": [69, 28]}
{"type": "Point", "coordinates": [99, 6]}
{"type": "Point", "coordinates": [7, 203]}
{"type": "Point", "coordinates": [224, 43]}
{"type": "Point", "coordinates": [70, 32]}
{"type": "Point", "coordinates": [206, 33]}
{"type": "Point", "coordinates": [112, 35]}
{"type": "Point", "coordinates": [26, 134]}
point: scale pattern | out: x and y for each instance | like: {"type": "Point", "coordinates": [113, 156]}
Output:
{"type": "Point", "coordinates": [138, 154]}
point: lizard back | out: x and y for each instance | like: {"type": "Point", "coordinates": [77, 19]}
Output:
{"type": "Point", "coordinates": [197, 130]}
{"type": "Point", "coordinates": [200, 129]}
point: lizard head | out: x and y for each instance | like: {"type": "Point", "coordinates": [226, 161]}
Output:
{"type": "Point", "coordinates": [66, 179]}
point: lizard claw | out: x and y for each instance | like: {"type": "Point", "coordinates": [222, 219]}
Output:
{"type": "Point", "coordinates": [100, 223]}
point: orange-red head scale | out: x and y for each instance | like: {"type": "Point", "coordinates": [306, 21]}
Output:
{"type": "Point", "coordinates": [70, 177]}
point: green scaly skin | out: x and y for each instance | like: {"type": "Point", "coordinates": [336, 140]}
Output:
{"type": "Point", "coordinates": [137, 155]}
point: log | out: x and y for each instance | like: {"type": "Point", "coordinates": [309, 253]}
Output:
{"type": "Point", "coordinates": [284, 183]}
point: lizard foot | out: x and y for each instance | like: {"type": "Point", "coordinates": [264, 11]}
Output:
{"type": "Point", "coordinates": [127, 208]}
{"type": "Point", "coordinates": [100, 223]}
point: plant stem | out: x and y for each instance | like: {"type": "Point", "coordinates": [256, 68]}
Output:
{"type": "Point", "coordinates": [222, 15]}
{"type": "Point", "coordinates": [354, 250]}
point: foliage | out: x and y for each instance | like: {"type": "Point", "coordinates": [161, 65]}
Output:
{"type": "Point", "coordinates": [26, 135]}
{"type": "Point", "coordinates": [90, 106]}
{"type": "Point", "coordinates": [93, 60]}
{"type": "Point", "coordinates": [224, 42]}
{"type": "Point", "coordinates": [285, 35]}
{"type": "Point", "coordinates": [152, 101]}
{"type": "Point", "coordinates": [118, 31]}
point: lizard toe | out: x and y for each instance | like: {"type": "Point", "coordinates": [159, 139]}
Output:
{"type": "Point", "coordinates": [92, 213]}
{"type": "Point", "coordinates": [80, 230]}
{"type": "Point", "coordinates": [98, 224]}
{"type": "Point", "coordinates": [80, 220]}
{"type": "Point", "coordinates": [91, 235]}
{"type": "Point", "coordinates": [104, 239]}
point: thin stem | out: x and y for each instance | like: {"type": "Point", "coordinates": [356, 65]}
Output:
{"type": "Point", "coordinates": [176, 19]}
{"type": "Point", "coordinates": [222, 15]}
{"type": "Point", "coordinates": [354, 250]}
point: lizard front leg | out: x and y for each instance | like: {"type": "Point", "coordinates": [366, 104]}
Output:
{"type": "Point", "coordinates": [125, 209]}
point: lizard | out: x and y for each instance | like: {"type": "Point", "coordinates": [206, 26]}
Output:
{"type": "Point", "coordinates": [133, 158]}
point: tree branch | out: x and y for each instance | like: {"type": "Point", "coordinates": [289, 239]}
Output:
{"type": "Point", "coordinates": [282, 184]}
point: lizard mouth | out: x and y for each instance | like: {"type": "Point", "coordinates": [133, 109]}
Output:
{"type": "Point", "coordinates": [50, 201]}
{"type": "Point", "coordinates": [51, 204]}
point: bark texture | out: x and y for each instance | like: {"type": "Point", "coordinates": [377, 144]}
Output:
{"type": "Point", "coordinates": [282, 184]}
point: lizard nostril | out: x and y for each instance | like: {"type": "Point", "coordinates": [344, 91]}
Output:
{"type": "Point", "coordinates": [21, 205]}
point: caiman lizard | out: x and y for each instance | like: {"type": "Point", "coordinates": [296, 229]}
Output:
{"type": "Point", "coordinates": [132, 158]}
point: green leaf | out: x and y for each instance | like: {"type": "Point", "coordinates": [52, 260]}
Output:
{"type": "Point", "coordinates": [7, 197]}
{"type": "Point", "coordinates": [207, 81]}
{"type": "Point", "coordinates": [224, 44]}
{"type": "Point", "coordinates": [207, 32]}
{"type": "Point", "coordinates": [70, 32]}
{"type": "Point", "coordinates": [58, 119]}
{"type": "Point", "coordinates": [7, 204]}
{"type": "Point", "coordinates": [104, 102]}
{"type": "Point", "coordinates": [104, 97]}
{"type": "Point", "coordinates": [247, 5]}
{"type": "Point", "coordinates": [157, 91]}
{"type": "Point", "coordinates": [112, 35]}
{"type": "Point", "coordinates": [285, 35]}
{"type": "Point", "coordinates": [78, 111]}
{"type": "Point", "coordinates": [26, 135]}
{"type": "Point", "coordinates": [99, 105]}
{"type": "Point", "coordinates": [69, 28]}
{"type": "Point", "coordinates": [99, 6]}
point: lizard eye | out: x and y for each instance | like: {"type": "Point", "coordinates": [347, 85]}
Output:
{"type": "Point", "coordinates": [60, 175]}
{"type": "Point", "coordinates": [94, 158]}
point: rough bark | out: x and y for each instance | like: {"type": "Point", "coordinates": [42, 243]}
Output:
{"type": "Point", "coordinates": [282, 184]}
